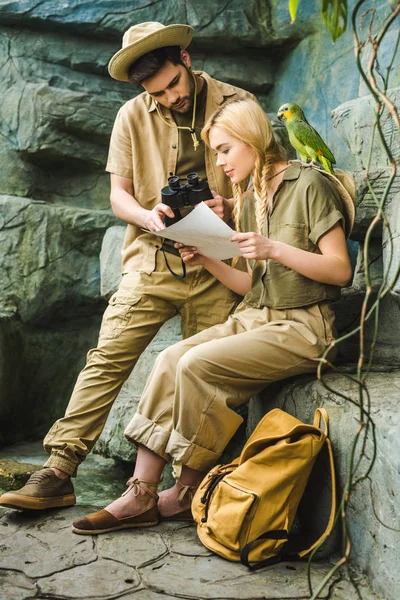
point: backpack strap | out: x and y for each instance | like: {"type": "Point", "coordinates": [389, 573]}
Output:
{"type": "Point", "coordinates": [274, 534]}
{"type": "Point", "coordinates": [282, 534]}
{"type": "Point", "coordinates": [331, 520]}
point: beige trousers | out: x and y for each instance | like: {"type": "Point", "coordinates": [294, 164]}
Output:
{"type": "Point", "coordinates": [186, 411]}
{"type": "Point", "coordinates": [135, 313]}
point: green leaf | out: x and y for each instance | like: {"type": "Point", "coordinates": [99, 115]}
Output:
{"type": "Point", "coordinates": [293, 4]}
{"type": "Point", "coordinates": [334, 13]}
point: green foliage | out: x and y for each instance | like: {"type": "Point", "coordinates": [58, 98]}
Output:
{"type": "Point", "coordinates": [293, 4]}
{"type": "Point", "coordinates": [334, 13]}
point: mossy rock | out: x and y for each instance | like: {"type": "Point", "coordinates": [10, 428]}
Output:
{"type": "Point", "coordinates": [13, 474]}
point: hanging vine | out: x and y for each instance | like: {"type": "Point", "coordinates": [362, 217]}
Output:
{"type": "Point", "coordinates": [368, 37]}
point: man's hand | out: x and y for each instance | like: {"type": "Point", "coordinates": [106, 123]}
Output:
{"type": "Point", "coordinates": [153, 219]}
{"type": "Point", "coordinates": [220, 206]}
{"type": "Point", "coordinates": [254, 246]}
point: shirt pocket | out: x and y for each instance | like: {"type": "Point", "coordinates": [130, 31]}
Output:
{"type": "Point", "coordinates": [117, 315]}
{"type": "Point", "coordinates": [293, 234]}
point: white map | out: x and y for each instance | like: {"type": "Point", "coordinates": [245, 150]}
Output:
{"type": "Point", "coordinates": [205, 231]}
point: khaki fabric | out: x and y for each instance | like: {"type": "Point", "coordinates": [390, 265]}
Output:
{"type": "Point", "coordinates": [189, 159]}
{"type": "Point", "coordinates": [187, 412]}
{"type": "Point", "coordinates": [305, 206]}
{"type": "Point", "coordinates": [145, 149]}
{"type": "Point", "coordinates": [134, 315]}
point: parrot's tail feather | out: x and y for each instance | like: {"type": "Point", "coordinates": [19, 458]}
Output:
{"type": "Point", "coordinates": [326, 164]}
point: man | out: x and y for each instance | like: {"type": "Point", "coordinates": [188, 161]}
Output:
{"type": "Point", "coordinates": [156, 135]}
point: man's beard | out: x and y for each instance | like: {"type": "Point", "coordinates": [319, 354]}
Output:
{"type": "Point", "coordinates": [186, 101]}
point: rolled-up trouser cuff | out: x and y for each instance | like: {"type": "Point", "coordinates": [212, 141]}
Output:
{"type": "Point", "coordinates": [143, 431]}
{"type": "Point", "coordinates": [58, 461]}
{"type": "Point", "coordinates": [190, 454]}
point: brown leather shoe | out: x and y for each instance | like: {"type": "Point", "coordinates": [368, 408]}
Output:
{"type": "Point", "coordinates": [104, 522]}
{"type": "Point", "coordinates": [42, 490]}
{"type": "Point", "coordinates": [183, 515]}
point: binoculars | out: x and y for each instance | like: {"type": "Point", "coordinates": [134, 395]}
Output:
{"type": "Point", "coordinates": [177, 196]}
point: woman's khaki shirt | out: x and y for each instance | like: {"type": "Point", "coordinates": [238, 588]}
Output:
{"type": "Point", "coordinates": [305, 206]}
{"type": "Point", "coordinates": [145, 149]}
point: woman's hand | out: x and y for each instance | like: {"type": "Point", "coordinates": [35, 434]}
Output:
{"type": "Point", "coordinates": [235, 280]}
{"type": "Point", "coordinates": [332, 266]}
{"type": "Point", "coordinates": [254, 246]}
{"type": "Point", "coordinates": [189, 255]}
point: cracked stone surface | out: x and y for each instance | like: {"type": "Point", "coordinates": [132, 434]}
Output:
{"type": "Point", "coordinates": [41, 558]}
{"type": "Point", "coordinates": [16, 586]}
{"type": "Point", "coordinates": [135, 550]}
{"type": "Point", "coordinates": [104, 579]}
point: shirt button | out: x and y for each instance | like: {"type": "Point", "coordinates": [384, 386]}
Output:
{"type": "Point", "coordinates": [170, 173]}
{"type": "Point", "coordinates": [174, 146]}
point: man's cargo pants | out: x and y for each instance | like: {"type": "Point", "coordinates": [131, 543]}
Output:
{"type": "Point", "coordinates": [135, 313]}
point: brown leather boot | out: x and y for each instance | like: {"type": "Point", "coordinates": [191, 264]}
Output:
{"type": "Point", "coordinates": [42, 490]}
{"type": "Point", "coordinates": [104, 522]}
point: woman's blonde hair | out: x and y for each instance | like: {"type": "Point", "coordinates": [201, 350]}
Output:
{"type": "Point", "coordinates": [246, 121]}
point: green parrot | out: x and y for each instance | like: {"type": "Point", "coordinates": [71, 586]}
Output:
{"type": "Point", "coordinates": [304, 138]}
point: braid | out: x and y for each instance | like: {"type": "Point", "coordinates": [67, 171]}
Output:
{"type": "Point", "coordinates": [262, 199]}
{"type": "Point", "coordinates": [237, 211]}
{"type": "Point", "coordinates": [261, 170]}
{"type": "Point", "coordinates": [238, 203]}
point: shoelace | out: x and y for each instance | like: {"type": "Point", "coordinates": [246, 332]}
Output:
{"type": "Point", "coordinates": [136, 485]}
{"type": "Point", "coordinates": [39, 476]}
{"type": "Point", "coordinates": [184, 490]}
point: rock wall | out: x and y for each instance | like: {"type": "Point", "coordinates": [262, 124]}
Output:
{"type": "Point", "coordinates": [56, 113]}
{"type": "Point", "coordinates": [50, 308]}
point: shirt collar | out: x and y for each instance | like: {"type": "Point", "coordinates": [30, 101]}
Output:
{"type": "Point", "coordinates": [152, 106]}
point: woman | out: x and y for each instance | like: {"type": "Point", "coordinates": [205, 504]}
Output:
{"type": "Point", "coordinates": [291, 229]}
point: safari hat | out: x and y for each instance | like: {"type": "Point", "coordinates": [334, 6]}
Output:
{"type": "Point", "coordinates": [143, 38]}
{"type": "Point", "coordinates": [344, 183]}
{"type": "Point", "coordinates": [347, 190]}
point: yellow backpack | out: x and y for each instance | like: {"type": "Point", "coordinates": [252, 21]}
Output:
{"type": "Point", "coordinates": [244, 510]}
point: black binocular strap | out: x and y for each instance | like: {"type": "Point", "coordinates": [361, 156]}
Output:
{"type": "Point", "coordinates": [171, 271]}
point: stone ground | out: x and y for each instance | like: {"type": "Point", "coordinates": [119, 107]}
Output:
{"type": "Point", "coordinates": [40, 557]}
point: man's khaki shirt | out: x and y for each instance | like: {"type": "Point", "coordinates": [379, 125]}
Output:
{"type": "Point", "coordinates": [143, 148]}
{"type": "Point", "coordinates": [305, 206]}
